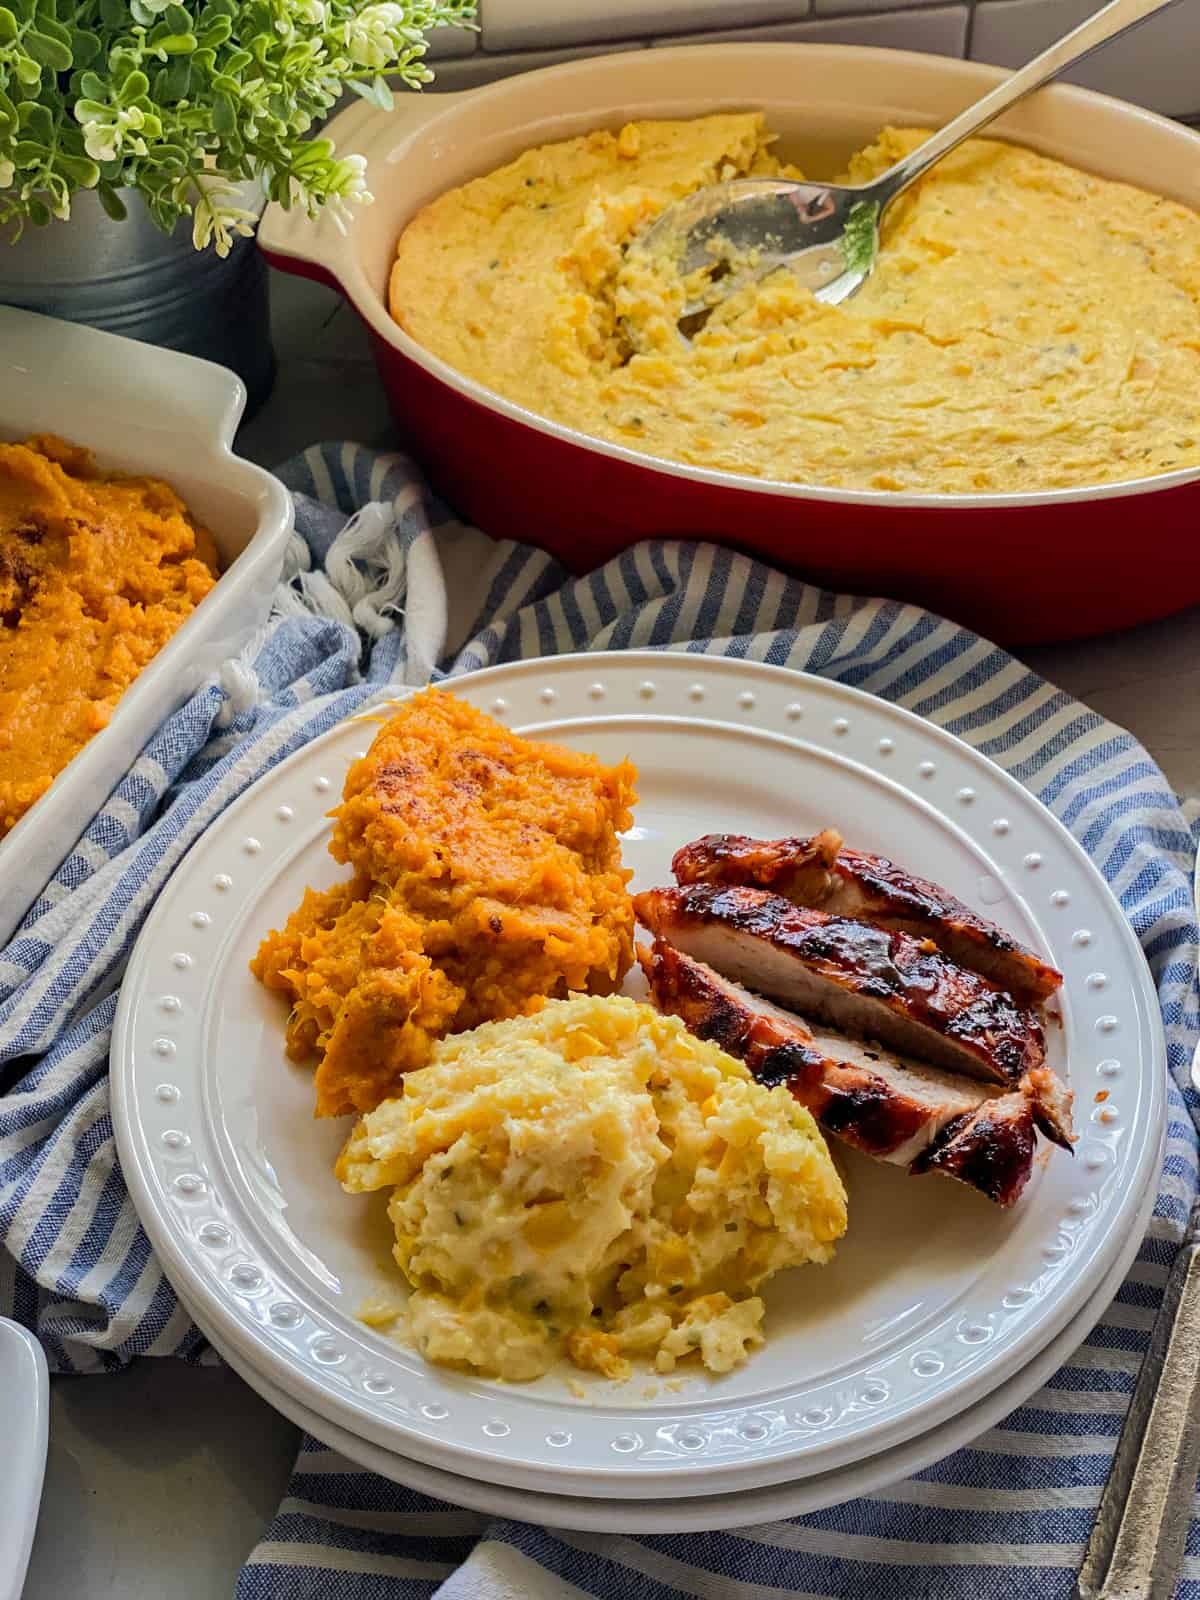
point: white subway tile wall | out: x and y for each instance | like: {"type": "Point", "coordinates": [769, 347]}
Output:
{"type": "Point", "coordinates": [447, 42]}
{"type": "Point", "coordinates": [938, 30]}
{"type": "Point", "coordinates": [486, 66]}
{"type": "Point", "coordinates": [537, 24]}
{"type": "Point", "coordinates": [835, 8]}
{"type": "Point", "coordinates": [1157, 66]}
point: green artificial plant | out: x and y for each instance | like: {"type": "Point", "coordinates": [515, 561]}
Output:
{"type": "Point", "coordinates": [188, 101]}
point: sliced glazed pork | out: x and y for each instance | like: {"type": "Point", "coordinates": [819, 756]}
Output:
{"type": "Point", "coordinates": [869, 982]}
{"type": "Point", "coordinates": [889, 1108]}
{"type": "Point", "coordinates": [991, 1150]}
{"type": "Point", "coordinates": [822, 874]}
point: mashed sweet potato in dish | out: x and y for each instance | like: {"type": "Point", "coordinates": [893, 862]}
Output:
{"type": "Point", "coordinates": [486, 875]}
{"type": "Point", "coordinates": [96, 574]}
{"type": "Point", "coordinates": [591, 1181]}
{"type": "Point", "coordinates": [1027, 327]}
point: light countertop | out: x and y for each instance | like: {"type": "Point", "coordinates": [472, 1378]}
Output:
{"type": "Point", "coordinates": [160, 1479]}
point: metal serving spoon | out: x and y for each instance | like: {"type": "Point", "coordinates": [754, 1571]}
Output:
{"type": "Point", "coordinates": [826, 234]}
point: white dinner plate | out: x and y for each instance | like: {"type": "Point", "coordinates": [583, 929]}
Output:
{"type": "Point", "coordinates": [711, 1513]}
{"type": "Point", "coordinates": [936, 1297]}
{"type": "Point", "coordinates": [25, 1408]}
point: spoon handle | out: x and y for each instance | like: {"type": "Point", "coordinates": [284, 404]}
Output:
{"type": "Point", "coordinates": [1105, 24]}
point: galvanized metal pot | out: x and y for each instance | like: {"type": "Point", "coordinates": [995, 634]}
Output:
{"type": "Point", "coordinates": [130, 278]}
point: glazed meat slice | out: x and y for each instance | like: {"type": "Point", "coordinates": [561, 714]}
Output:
{"type": "Point", "coordinates": [1050, 1101]}
{"type": "Point", "coordinates": [822, 874]}
{"type": "Point", "coordinates": [894, 1110]}
{"type": "Point", "coordinates": [882, 1104]}
{"type": "Point", "coordinates": [990, 1149]}
{"type": "Point", "coordinates": [869, 982]}
{"type": "Point", "coordinates": [798, 869]}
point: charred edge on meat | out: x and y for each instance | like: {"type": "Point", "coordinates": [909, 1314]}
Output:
{"type": "Point", "coordinates": [990, 1149]}
{"type": "Point", "coordinates": [864, 1110]}
{"type": "Point", "coordinates": [813, 872]}
{"type": "Point", "coordinates": [909, 977]}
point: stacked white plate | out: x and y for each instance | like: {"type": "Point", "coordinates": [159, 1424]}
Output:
{"type": "Point", "coordinates": [940, 1314]}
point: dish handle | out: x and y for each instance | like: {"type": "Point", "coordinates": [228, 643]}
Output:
{"type": "Point", "coordinates": [318, 248]}
{"type": "Point", "coordinates": [105, 379]}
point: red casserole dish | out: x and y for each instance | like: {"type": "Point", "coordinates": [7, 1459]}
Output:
{"type": "Point", "coordinates": [1024, 569]}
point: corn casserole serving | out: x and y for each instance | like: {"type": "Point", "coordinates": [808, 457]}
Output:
{"type": "Point", "coordinates": [591, 1181]}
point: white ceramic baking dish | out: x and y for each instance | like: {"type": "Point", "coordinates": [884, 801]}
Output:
{"type": "Point", "coordinates": [142, 410]}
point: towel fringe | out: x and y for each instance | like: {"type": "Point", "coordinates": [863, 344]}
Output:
{"type": "Point", "coordinates": [239, 683]}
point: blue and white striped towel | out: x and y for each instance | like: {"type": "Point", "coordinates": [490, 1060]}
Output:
{"type": "Point", "coordinates": [403, 592]}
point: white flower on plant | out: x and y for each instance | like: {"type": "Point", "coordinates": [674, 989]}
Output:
{"type": "Point", "coordinates": [105, 129]}
{"type": "Point", "coordinates": [372, 37]}
{"type": "Point", "coordinates": [312, 11]}
{"type": "Point", "coordinates": [101, 141]}
{"type": "Point", "coordinates": [352, 180]}
{"type": "Point", "coordinates": [7, 173]}
{"type": "Point", "coordinates": [217, 219]}
{"type": "Point", "coordinates": [346, 186]}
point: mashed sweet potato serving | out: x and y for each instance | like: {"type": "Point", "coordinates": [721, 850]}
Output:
{"type": "Point", "coordinates": [487, 877]}
{"type": "Point", "coordinates": [96, 574]}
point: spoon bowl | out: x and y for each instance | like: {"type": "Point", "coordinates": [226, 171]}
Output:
{"type": "Point", "coordinates": [737, 232]}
